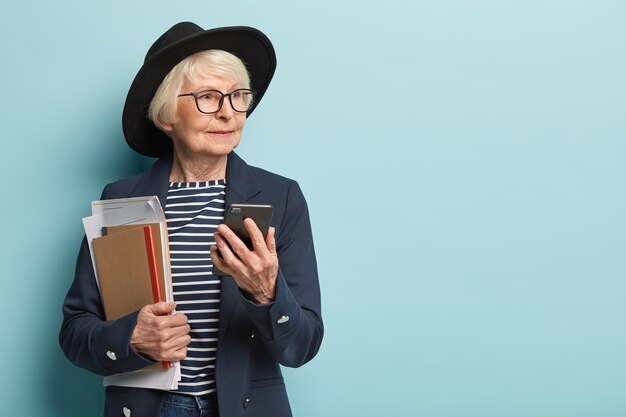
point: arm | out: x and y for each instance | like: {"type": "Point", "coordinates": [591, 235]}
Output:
{"type": "Point", "coordinates": [107, 347]}
{"type": "Point", "coordinates": [290, 326]}
{"type": "Point", "coordinates": [87, 339]}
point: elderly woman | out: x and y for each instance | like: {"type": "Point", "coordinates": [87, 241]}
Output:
{"type": "Point", "coordinates": [188, 105]}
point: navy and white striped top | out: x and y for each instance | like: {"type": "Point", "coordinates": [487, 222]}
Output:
{"type": "Point", "coordinates": [193, 211]}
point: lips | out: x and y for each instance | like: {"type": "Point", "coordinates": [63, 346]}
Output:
{"type": "Point", "coordinates": [221, 132]}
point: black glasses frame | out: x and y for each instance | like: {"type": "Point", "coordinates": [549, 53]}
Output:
{"type": "Point", "coordinates": [221, 102]}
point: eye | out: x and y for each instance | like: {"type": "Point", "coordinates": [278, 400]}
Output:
{"type": "Point", "coordinates": [209, 95]}
{"type": "Point", "coordinates": [242, 95]}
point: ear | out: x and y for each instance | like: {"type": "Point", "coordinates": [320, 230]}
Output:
{"type": "Point", "coordinates": [164, 126]}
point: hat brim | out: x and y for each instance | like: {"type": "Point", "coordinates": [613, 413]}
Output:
{"type": "Point", "coordinates": [248, 44]}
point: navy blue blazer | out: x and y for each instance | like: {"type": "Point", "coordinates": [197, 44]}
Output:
{"type": "Point", "coordinates": [252, 343]}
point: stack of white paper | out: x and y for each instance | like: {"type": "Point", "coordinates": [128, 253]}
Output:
{"type": "Point", "coordinates": [128, 211]}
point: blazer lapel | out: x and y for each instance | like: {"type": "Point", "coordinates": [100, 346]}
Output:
{"type": "Point", "coordinates": [241, 186]}
{"type": "Point", "coordinates": [155, 181]}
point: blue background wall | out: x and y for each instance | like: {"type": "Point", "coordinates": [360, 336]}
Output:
{"type": "Point", "coordinates": [464, 164]}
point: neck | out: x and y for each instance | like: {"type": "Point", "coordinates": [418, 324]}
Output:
{"type": "Point", "coordinates": [197, 168]}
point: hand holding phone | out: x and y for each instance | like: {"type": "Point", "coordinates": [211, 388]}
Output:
{"type": "Point", "coordinates": [234, 219]}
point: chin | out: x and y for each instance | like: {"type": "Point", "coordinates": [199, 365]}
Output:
{"type": "Point", "coordinates": [218, 151]}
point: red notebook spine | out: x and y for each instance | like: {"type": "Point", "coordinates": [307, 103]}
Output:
{"type": "Point", "coordinates": [154, 274]}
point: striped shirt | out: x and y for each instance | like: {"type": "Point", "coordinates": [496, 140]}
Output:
{"type": "Point", "coordinates": [193, 211]}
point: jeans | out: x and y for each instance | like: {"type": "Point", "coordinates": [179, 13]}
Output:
{"type": "Point", "coordinates": [178, 405]}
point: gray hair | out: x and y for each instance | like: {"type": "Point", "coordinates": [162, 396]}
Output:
{"type": "Point", "coordinates": [213, 62]}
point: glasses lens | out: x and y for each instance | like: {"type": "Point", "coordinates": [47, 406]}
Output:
{"type": "Point", "coordinates": [209, 101]}
{"type": "Point", "coordinates": [242, 99]}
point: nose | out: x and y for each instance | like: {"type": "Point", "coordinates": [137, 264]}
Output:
{"type": "Point", "coordinates": [226, 111]}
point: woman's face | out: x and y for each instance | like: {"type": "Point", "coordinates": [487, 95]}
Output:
{"type": "Point", "coordinates": [214, 134]}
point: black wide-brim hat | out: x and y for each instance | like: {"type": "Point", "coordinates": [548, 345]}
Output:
{"type": "Point", "coordinates": [180, 41]}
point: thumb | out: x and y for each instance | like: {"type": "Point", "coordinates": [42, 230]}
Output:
{"type": "Point", "coordinates": [161, 308]}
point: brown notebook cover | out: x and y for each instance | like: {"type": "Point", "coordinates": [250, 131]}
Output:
{"type": "Point", "coordinates": [158, 248]}
{"type": "Point", "coordinates": [126, 282]}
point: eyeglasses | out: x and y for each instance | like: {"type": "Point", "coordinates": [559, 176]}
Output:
{"type": "Point", "coordinates": [211, 101]}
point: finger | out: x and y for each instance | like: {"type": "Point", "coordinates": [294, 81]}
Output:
{"type": "Point", "coordinates": [270, 240]}
{"type": "Point", "coordinates": [177, 320]}
{"type": "Point", "coordinates": [256, 236]}
{"type": "Point", "coordinates": [173, 350]}
{"type": "Point", "coordinates": [183, 341]}
{"type": "Point", "coordinates": [228, 257]}
{"type": "Point", "coordinates": [176, 335]}
{"type": "Point", "coordinates": [214, 249]}
{"type": "Point", "coordinates": [178, 354]}
{"type": "Point", "coordinates": [236, 245]}
{"type": "Point", "coordinates": [160, 309]}
{"type": "Point", "coordinates": [229, 244]}
{"type": "Point", "coordinates": [217, 259]}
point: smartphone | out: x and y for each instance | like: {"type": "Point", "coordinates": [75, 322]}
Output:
{"type": "Point", "coordinates": [237, 213]}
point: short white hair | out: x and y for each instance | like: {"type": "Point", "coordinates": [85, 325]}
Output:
{"type": "Point", "coordinates": [212, 62]}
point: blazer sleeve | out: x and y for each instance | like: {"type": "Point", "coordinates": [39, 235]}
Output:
{"type": "Point", "coordinates": [87, 339]}
{"type": "Point", "coordinates": [291, 327]}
